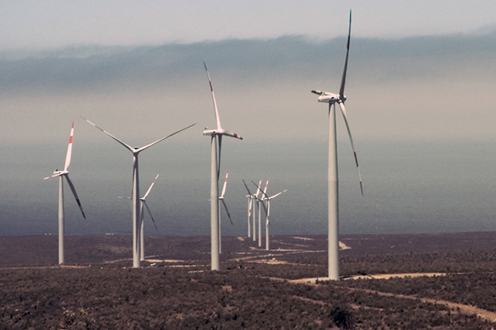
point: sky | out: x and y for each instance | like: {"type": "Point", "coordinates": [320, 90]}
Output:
{"type": "Point", "coordinates": [55, 23]}
{"type": "Point", "coordinates": [420, 81]}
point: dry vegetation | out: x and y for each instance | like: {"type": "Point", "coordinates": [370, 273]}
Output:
{"type": "Point", "coordinates": [100, 294]}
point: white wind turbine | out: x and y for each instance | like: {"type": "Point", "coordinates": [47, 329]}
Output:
{"type": "Point", "coordinates": [61, 175]}
{"type": "Point", "coordinates": [332, 177]}
{"type": "Point", "coordinates": [221, 198]}
{"type": "Point", "coordinates": [267, 199]}
{"type": "Point", "coordinates": [216, 145]}
{"type": "Point", "coordinates": [143, 205]}
{"type": "Point", "coordinates": [251, 209]}
{"type": "Point", "coordinates": [135, 196]}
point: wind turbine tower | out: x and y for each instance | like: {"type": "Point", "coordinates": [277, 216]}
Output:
{"type": "Point", "coordinates": [332, 176]}
{"type": "Point", "coordinates": [254, 211]}
{"type": "Point", "coordinates": [261, 203]}
{"type": "Point", "coordinates": [250, 201]}
{"type": "Point", "coordinates": [216, 146]}
{"type": "Point", "coordinates": [268, 199]}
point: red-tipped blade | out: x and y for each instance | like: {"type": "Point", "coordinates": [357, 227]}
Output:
{"type": "Point", "coordinates": [279, 193]}
{"type": "Point", "coordinates": [259, 189]}
{"type": "Point", "coordinates": [127, 146]}
{"type": "Point", "coordinates": [69, 149]}
{"type": "Point", "coordinates": [149, 189]}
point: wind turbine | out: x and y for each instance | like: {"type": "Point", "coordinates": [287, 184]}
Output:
{"type": "Point", "coordinates": [143, 205]}
{"type": "Point", "coordinates": [332, 177]}
{"type": "Point", "coordinates": [251, 209]}
{"type": "Point", "coordinates": [267, 199]}
{"type": "Point", "coordinates": [61, 175]}
{"type": "Point", "coordinates": [216, 146]}
{"type": "Point", "coordinates": [221, 198]}
{"type": "Point", "coordinates": [135, 195]}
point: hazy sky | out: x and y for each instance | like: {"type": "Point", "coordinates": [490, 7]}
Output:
{"type": "Point", "coordinates": [419, 72]}
{"type": "Point", "coordinates": [418, 69]}
{"type": "Point", "coordinates": [56, 23]}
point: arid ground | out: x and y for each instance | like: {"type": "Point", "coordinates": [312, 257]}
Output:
{"type": "Point", "coordinates": [441, 281]}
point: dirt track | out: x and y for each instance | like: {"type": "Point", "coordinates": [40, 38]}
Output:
{"type": "Point", "coordinates": [465, 309]}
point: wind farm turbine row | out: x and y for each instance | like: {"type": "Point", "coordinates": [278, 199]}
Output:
{"type": "Point", "coordinates": [256, 201]}
{"type": "Point", "coordinates": [138, 204]}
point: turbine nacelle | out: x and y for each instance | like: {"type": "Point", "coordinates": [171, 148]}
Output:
{"type": "Point", "coordinates": [57, 173]}
{"type": "Point", "coordinates": [221, 132]}
{"type": "Point", "coordinates": [326, 97]}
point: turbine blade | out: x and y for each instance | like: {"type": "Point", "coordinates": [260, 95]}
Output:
{"type": "Point", "coordinates": [225, 185]}
{"type": "Point", "coordinates": [264, 207]}
{"type": "Point", "coordinates": [259, 190]}
{"type": "Point", "coordinates": [343, 80]}
{"type": "Point", "coordinates": [159, 140]}
{"type": "Point", "coordinates": [52, 176]}
{"type": "Point", "coordinates": [148, 191]}
{"type": "Point", "coordinates": [113, 137]}
{"type": "Point", "coordinates": [265, 189]}
{"type": "Point", "coordinates": [151, 216]}
{"type": "Point", "coordinates": [75, 194]}
{"type": "Point", "coordinates": [213, 98]}
{"type": "Point", "coordinates": [227, 211]}
{"type": "Point", "coordinates": [231, 134]}
{"type": "Point", "coordinates": [343, 111]}
{"type": "Point", "coordinates": [274, 196]}
{"type": "Point", "coordinates": [69, 150]}
{"type": "Point", "coordinates": [249, 193]}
